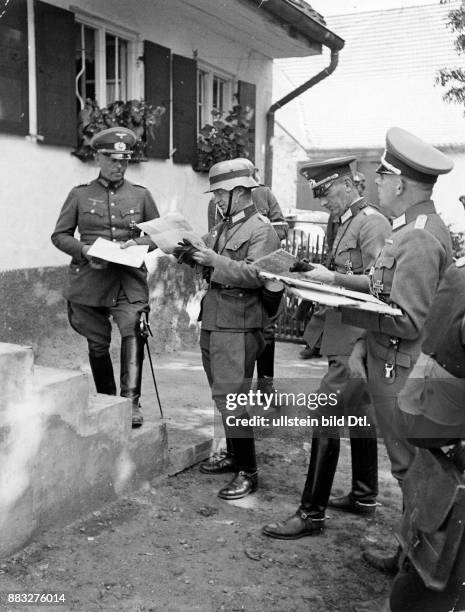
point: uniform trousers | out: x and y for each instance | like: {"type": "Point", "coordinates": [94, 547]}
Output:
{"type": "Point", "coordinates": [401, 453]}
{"type": "Point", "coordinates": [93, 322]}
{"type": "Point", "coordinates": [229, 359]}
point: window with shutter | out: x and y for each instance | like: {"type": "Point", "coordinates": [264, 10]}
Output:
{"type": "Point", "coordinates": [14, 107]}
{"type": "Point", "coordinates": [157, 62]}
{"type": "Point", "coordinates": [184, 110]}
{"type": "Point", "coordinates": [56, 101]}
{"type": "Point", "coordinates": [214, 93]}
{"type": "Point", "coordinates": [246, 97]}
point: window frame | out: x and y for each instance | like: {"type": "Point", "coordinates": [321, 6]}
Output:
{"type": "Point", "coordinates": [134, 51]}
{"type": "Point", "coordinates": [209, 73]}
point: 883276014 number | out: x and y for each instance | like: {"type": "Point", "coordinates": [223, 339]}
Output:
{"type": "Point", "coordinates": [44, 598]}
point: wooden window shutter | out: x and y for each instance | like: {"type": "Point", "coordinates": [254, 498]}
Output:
{"type": "Point", "coordinates": [56, 65]}
{"type": "Point", "coordinates": [246, 97]}
{"type": "Point", "coordinates": [14, 94]}
{"type": "Point", "coordinates": [157, 62]}
{"type": "Point", "coordinates": [184, 110]}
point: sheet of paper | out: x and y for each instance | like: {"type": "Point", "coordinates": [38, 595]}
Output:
{"type": "Point", "coordinates": [170, 229]}
{"type": "Point", "coordinates": [111, 251]}
{"type": "Point", "coordinates": [320, 292]}
{"type": "Point", "coordinates": [278, 262]}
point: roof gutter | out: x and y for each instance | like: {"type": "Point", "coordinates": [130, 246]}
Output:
{"type": "Point", "coordinates": [324, 36]}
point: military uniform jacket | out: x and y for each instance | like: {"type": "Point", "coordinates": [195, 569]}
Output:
{"type": "Point", "coordinates": [406, 274]}
{"type": "Point", "coordinates": [359, 240]}
{"type": "Point", "coordinates": [100, 209]}
{"type": "Point", "coordinates": [233, 301]}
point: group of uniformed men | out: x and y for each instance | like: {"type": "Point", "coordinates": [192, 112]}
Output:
{"type": "Point", "coordinates": [406, 373]}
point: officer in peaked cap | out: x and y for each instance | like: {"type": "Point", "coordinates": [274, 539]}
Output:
{"type": "Point", "coordinates": [116, 142]}
{"type": "Point", "coordinates": [360, 237]}
{"type": "Point", "coordinates": [108, 207]}
{"type": "Point", "coordinates": [406, 275]}
{"type": "Point", "coordinates": [233, 315]}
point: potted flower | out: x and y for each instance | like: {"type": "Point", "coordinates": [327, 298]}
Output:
{"type": "Point", "coordinates": [225, 138]}
{"type": "Point", "coordinates": [137, 115]}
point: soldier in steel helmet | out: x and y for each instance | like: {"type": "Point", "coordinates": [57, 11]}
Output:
{"type": "Point", "coordinates": [233, 315]}
{"type": "Point", "coordinates": [108, 207]}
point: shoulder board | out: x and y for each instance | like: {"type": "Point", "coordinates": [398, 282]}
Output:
{"type": "Point", "coordinates": [420, 221]}
{"type": "Point", "coordinates": [460, 262]}
{"type": "Point", "coordinates": [136, 185]}
{"type": "Point", "coordinates": [370, 211]}
{"type": "Point", "coordinates": [263, 219]}
{"type": "Point", "coordinates": [82, 185]}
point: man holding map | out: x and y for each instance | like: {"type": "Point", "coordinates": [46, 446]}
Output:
{"type": "Point", "coordinates": [360, 236]}
{"type": "Point", "coordinates": [108, 207]}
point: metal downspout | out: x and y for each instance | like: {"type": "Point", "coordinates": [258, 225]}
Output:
{"type": "Point", "coordinates": [280, 103]}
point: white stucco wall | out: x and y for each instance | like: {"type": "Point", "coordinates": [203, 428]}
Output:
{"type": "Point", "coordinates": [36, 178]}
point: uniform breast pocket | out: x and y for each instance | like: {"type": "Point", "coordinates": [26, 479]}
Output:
{"type": "Point", "coordinates": [236, 249]}
{"type": "Point", "coordinates": [90, 216]}
{"type": "Point", "coordinates": [131, 214]}
{"type": "Point", "coordinates": [348, 258]}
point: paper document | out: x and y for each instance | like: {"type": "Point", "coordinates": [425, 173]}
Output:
{"type": "Point", "coordinates": [170, 229]}
{"type": "Point", "coordinates": [278, 262]}
{"type": "Point", "coordinates": [111, 251]}
{"type": "Point", "coordinates": [333, 296]}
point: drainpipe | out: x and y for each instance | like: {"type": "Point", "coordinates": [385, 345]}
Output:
{"type": "Point", "coordinates": [280, 103]}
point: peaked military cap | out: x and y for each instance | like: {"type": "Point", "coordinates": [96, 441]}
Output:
{"type": "Point", "coordinates": [409, 156]}
{"type": "Point", "coordinates": [117, 142]}
{"type": "Point", "coordinates": [232, 173]}
{"type": "Point", "coordinates": [322, 174]}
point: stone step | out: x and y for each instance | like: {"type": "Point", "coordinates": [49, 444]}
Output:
{"type": "Point", "coordinates": [16, 367]}
{"type": "Point", "coordinates": [64, 393]}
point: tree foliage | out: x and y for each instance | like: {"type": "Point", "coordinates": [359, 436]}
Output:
{"type": "Point", "coordinates": [453, 79]}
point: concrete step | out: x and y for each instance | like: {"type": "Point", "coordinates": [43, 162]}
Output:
{"type": "Point", "coordinates": [16, 366]}
{"type": "Point", "coordinates": [61, 392]}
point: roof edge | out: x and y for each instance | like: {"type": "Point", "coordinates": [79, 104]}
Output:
{"type": "Point", "coordinates": [304, 21]}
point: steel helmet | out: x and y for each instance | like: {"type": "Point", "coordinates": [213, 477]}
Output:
{"type": "Point", "coordinates": [232, 173]}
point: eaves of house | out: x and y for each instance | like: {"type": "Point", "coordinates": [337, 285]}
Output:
{"type": "Point", "coordinates": [274, 28]}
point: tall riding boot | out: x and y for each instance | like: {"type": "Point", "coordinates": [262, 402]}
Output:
{"type": "Point", "coordinates": [265, 369]}
{"type": "Point", "coordinates": [310, 517]}
{"type": "Point", "coordinates": [246, 480]}
{"type": "Point", "coordinates": [320, 476]}
{"type": "Point", "coordinates": [362, 497]}
{"type": "Point", "coordinates": [132, 356]}
{"type": "Point", "coordinates": [102, 371]}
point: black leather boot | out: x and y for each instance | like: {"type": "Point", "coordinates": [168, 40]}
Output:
{"type": "Point", "coordinates": [265, 370]}
{"type": "Point", "coordinates": [132, 356]}
{"type": "Point", "coordinates": [246, 480]}
{"type": "Point", "coordinates": [309, 519]}
{"type": "Point", "coordinates": [102, 372]}
{"type": "Point", "coordinates": [221, 462]}
{"type": "Point", "coordinates": [362, 497]}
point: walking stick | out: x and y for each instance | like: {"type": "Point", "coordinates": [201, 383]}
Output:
{"type": "Point", "coordinates": [146, 331]}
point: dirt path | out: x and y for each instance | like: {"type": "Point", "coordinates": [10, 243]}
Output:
{"type": "Point", "coordinates": [175, 546]}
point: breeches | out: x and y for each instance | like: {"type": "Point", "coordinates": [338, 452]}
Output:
{"type": "Point", "coordinates": [94, 322]}
{"type": "Point", "coordinates": [352, 395]}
